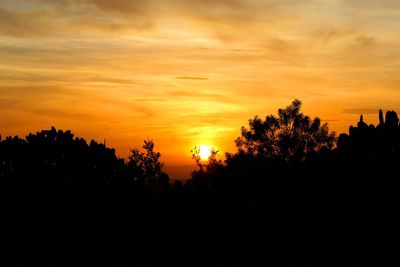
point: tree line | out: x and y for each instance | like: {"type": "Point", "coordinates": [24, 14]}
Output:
{"type": "Point", "coordinates": [293, 193]}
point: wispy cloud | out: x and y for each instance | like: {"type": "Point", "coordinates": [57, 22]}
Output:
{"type": "Point", "coordinates": [365, 40]}
{"type": "Point", "coordinates": [205, 94]}
{"type": "Point", "coordinates": [127, 69]}
{"type": "Point", "coordinates": [151, 99]}
{"type": "Point", "coordinates": [191, 78]}
{"type": "Point", "coordinates": [360, 111]}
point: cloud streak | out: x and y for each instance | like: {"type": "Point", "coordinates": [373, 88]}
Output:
{"type": "Point", "coordinates": [190, 78]}
{"type": "Point", "coordinates": [45, 18]}
{"type": "Point", "coordinates": [191, 70]}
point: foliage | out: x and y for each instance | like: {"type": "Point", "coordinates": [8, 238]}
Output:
{"type": "Point", "coordinates": [50, 152]}
{"type": "Point", "coordinates": [211, 161]}
{"type": "Point", "coordinates": [68, 200]}
{"type": "Point", "coordinates": [146, 167]}
{"type": "Point", "coordinates": [290, 136]}
{"type": "Point", "coordinates": [208, 171]}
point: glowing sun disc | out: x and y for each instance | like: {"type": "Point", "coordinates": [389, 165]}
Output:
{"type": "Point", "coordinates": [205, 152]}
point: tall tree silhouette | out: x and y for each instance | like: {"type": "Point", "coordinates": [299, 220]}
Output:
{"type": "Point", "coordinates": [146, 167]}
{"type": "Point", "coordinates": [290, 136]}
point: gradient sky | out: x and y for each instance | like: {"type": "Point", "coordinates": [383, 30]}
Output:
{"type": "Point", "coordinates": [191, 72]}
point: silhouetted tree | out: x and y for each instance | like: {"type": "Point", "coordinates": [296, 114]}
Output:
{"type": "Point", "coordinates": [368, 149]}
{"type": "Point", "coordinates": [381, 120]}
{"type": "Point", "coordinates": [290, 136]}
{"type": "Point", "coordinates": [391, 119]}
{"type": "Point", "coordinates": [146, 168]}
{"type": "Point", "coordinates": [65, 199]}
{"type": "Point", "coordinates": [210, 162]}
{"type": "Point", "coordinates": [361, 124]}
{"type": "Point", "coordinates": [208, 170]}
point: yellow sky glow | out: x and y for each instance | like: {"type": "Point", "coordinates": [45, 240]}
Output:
{"type": "Point", "coordinates": [188, 72]}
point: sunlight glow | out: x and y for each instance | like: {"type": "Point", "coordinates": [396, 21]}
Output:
{"type": "Point", "coordinates": [182, 73]}
{"type": "Point", "coordinates": [205, 152]}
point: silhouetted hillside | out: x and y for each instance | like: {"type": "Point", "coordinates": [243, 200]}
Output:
{"type": "Point", "coordinates": [292, 194]}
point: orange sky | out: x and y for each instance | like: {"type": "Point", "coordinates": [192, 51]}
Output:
{"type": "Point", "coordinates": [189, 72]}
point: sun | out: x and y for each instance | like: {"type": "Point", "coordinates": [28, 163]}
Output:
{"type": "Point", "coordinates": [205, 152]}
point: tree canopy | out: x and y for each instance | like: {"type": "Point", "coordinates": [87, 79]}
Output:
{"type": "Point", "coordinates": [290, 136]}
{"type": "Point", "coordinates": [146, 167]}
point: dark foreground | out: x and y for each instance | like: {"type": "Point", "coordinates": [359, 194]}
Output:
{"type": "Point", "coordinates": [66, 202]}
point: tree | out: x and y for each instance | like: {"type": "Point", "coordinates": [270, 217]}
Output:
{"type": "Point", "coordinates": [210, 170]}
{"type": "Point", "coordinates": [146, 167]}
{"type": "Point", "coordinates": [290, 136]}
{"type": "Point", "coordinates": [211, 162]}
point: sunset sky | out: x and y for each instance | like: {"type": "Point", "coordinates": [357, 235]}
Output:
{"type": "Point", "coordinates": [192, 72]}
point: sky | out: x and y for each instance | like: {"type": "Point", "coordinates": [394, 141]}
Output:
{"type": "Point", "coordinates": [189, 72]}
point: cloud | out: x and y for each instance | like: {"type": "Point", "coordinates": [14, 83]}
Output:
{"type": "Point", "coordinates": [56, 113]}
{"type": "Point", "coordinates": [196, 94]}
{"type": "Point", "coordinates": [45, 18]}
{"type": "Point", "coordinates": [87, 17]}
{"type": "Point", "coordinates": [326, 34]}
{"type": "Point", "coordinates": [372, 4]}
{"type": "Point", "coordinates": [279, 45]}
{"type": "Point", "coordinates": [120, 6]}
{"type": "Point", "coordinates": [151, 100]}
{"type": "Point", "coordinates": [360, 111]}
{"type": "Point", "coordinates": [158, 124]}
{"type": "Point", "coordinates": [191, 78]}
{"type": "Point", "coordinates": [144, 111]}
{"type": "Point", "coordinates": [25, 23]}
{"type": "Point", "coordinates": [192, 63]}
{"type": "Point", "coordinates": [365, 41]}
